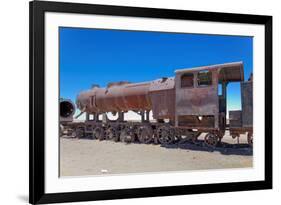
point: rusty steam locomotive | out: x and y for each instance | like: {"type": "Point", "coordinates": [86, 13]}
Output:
{"type": "Point", "coordinates": [183, 107]}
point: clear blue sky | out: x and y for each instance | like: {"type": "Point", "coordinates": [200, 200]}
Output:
{"type": "Point", "coordinates": [94, 56]}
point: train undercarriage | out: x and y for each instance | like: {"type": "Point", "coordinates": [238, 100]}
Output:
{"type": "Point", "coordinates": [147, 132]}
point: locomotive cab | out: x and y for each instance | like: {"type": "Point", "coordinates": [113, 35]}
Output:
{"type": "Point", "coordinates": [198, 103]}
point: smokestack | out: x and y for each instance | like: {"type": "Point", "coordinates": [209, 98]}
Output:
{"type": "Point", "coordinates": [67, 109]}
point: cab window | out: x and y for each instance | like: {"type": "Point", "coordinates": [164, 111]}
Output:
{"type": "Point", "coordinates": [204, 78]}
{"type": "Point", "coordinates": [187, 80]}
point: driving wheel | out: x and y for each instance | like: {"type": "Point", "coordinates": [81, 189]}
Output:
{"type": "Point", "coordinates": [98, 133]}
{"type": "Point", "coordinates": [145, 134]}
{"type": "Point", "coordinates": [111, 133]}
{"type": "Point", "coordinates": [211, 140]}
{"type": "Point", "coordinates": [165, 135]}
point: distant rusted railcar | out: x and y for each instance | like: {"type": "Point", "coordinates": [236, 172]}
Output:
{"type": "Point", "coordinates": [241, 121]}
{"type": "Point", "coordinates": [183, 107]}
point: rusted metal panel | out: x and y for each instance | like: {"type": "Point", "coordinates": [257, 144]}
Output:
{"type": "Point", "coordinates": [247, 103]}
{"type": "Point", "coordinates": [201, 101]}
{"type": "Point", "coordinates": [241, 130]}
{"type": "Point", "coordinates": [195, 121]}
{"type": "Point", "coordinates": [162, 94]}
{"type": "Point", "coordinates": [235, 118]}
{"type": "Point", "coordinates": [163, 104]}
{"type": "Point", "coordinates": [197, 101]}
{"type": "Point", "coordinates": [162, 84]}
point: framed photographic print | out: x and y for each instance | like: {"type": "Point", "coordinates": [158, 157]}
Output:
{"type": "Point", "coordinates": [141, 102]}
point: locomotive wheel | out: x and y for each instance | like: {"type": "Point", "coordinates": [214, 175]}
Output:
{"type": "Point", "coordinates": [127, 135]}
{"type": "Point", "coordinates": [78, 133]}
{"type": "Point", "coordinates": [111, 133]}
{"type": "Point", "coordinates": [165, 135]}
{"type": "Point", "coordinates": [145, 134]}
{"type": "Point", "coordinates": [98, 133]}
{"type": "Point", "coordinates": [89, 133]}
{"type": "Point", "coordinates": [250, 139]}
{"type": "Point", "coordinates": [211, 140]}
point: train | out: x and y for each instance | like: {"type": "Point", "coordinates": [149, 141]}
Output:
{"type": "Point", "coordinates": [182, 107]}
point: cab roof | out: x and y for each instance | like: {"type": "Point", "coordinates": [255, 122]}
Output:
{"type": "Point", "coordinates": [228, 72]}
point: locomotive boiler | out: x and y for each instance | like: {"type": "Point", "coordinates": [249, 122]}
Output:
{"type": "Point", "coordinates": [184, 106]}
{"type": "Point", "coordinates": [122, 97]}
{"type": "Point", "coordinates": [116, 97]}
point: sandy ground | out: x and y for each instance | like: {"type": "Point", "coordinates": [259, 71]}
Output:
{"type": "Point", "coordinates": [92, 157]}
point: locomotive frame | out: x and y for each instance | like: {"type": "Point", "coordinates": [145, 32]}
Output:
{"type": "Point", "coordinates": [37, 146]}
{"type": "Point", "coordinates": [190, 103]}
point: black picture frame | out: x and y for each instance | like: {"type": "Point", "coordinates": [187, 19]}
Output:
{"type": "Point", "coordinates": [37, 10]}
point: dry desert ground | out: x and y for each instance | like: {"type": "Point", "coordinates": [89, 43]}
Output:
{"type": "Point", "coordinates": [80, 157]}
